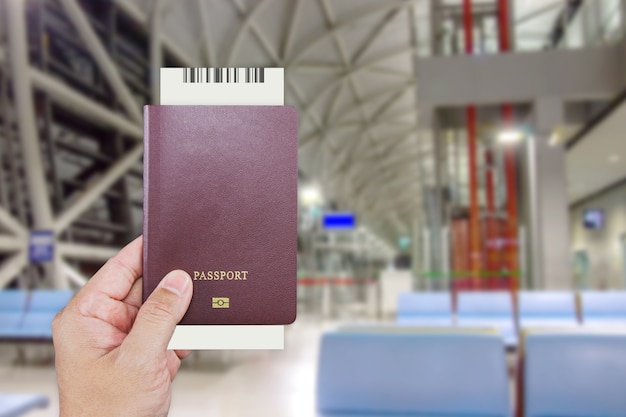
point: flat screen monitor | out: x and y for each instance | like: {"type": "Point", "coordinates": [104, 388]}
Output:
{"type": "Point", "coordinates": [593, 219]}
{"type": "Point", "coordinates": [339, 221]}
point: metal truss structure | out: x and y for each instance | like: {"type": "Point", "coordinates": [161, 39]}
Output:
{"type": "Point", "coordinates": [74, 75]}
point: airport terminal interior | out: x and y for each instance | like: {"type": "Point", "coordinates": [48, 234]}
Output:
{"type": "Point", "coordinates": [461, 246]}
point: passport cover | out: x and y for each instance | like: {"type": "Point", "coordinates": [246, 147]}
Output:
{"type": "Point", "coordinates": [220, 202]}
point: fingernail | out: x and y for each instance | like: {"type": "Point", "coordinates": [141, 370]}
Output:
{"type": "Point", "coordinates": [176, 282]}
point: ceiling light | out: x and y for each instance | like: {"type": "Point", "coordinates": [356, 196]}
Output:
{"type": "Point", "coordinates": [614, 158]}
{"type": "Point", "coordinates": [557, 136]}
{"type": "Point", "coordinates": [510, 136]}
{"type": "Point", "coordinates": [554, 139]}
{"type": "Point", "coordinates": [310, 195]}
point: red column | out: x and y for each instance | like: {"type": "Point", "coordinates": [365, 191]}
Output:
{"type": "Point", "coordinates": [474, 229]}
{"type": "Point", "coordinates": [490, 226]}
{"type": "Point", "coordinates": [510, 259]}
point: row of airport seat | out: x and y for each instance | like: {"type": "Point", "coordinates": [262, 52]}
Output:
{"type": "Point", "coordinates": [497, 309]}
{"type": "Point", "coordinates": [15, 405]}
{"type": "Point", "coordinates": [402, 371]}
{"type": "Point", "coordinates": [27, 315]}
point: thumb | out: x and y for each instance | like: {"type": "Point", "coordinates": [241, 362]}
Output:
{"type": "Point", "coordinates": [158, 316]}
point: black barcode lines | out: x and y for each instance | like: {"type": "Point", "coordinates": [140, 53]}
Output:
{"type": "Point", "coordinates": [223, 75]}
{"type": "Point", "coordinates": [255, 75]}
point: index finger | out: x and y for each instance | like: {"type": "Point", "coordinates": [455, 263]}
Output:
{"type": "Point", "coordinates": [117, 275]}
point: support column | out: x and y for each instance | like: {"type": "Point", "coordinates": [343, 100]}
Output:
{"type": "Point", "coordinates": [23, 93]}
{"type": "Point", "coordinates": [417, 261]}
{"type": "Point", "coordinates": [548, 211]}
{"type": "Point", "coordinates": [432, 220]}
{"type": "Point", "coordinates": [470, 114]}
{"type": "Point", "coordinates": [156, 51]}
{"type": "Point", "coordinates": [436, 214]}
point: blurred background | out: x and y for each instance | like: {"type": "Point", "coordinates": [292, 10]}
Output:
{"type": "Point", "coordinates": [445, 147]}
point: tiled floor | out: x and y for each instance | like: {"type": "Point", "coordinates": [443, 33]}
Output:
{"type": "Point", "coordinates": [211, 384]}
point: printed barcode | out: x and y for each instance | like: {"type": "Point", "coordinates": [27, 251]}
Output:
{"type": "Point", "coordinates": [223, 75]}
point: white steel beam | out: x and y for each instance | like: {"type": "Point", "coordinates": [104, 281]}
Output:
{"type": "Point", "coordinates": [405, 157]}
{"type": "Point", "coordinates": [94, 191]}
{"type": "Point", "coordinates": [388, 72]}
{"type": "Point", "coordinates": [408, 84]}
{"type": "Point", "coordinates": [99, 53]}
{"type": "Point", "coordinates": [347, 63]}
{"type": "Point", "coordinates": [381, 122]}
{"type": "Point", "coordinates": [207, 43]}
{"type": "Point", "coordinates": [73, 275]}
{"type": "Point", "coordinates": [363, 178]}
{"type": "Point", "coordinates": [11, 267]}
{"type": "Point", "coordinates": [349, 155]}
{"type": "Point", "coordinates": [330, 107]}
{"type": "Point", "coordinates": [27, 124]}
{"type": "Point", "coordinates": [79, 251]}
{"type": "Point", "coordinates": [260, 37]}
{"type": "Point", "coordinates": [391, 192]}
{"type": "Point", "coordinates": [277, 61]}
{"type": "Point", "coordinates": [135, 13]}
{"type": "Point", "coordinates": [405, 202]}
{"type": "Point", "coordinates": [12, 243]}
{"type": "Point", "coordinates": [11, 224]}
{"type": "Point", "coordinates": [84, 106]}
{"type": "Point", "coordinates": [317, 66]}
{"type": "Point", "coordinates": [247, 19]}
{"type": "Point", "coordinates": [351, 149]}
{"type": "Point", "coordinates": [347, 22]}
{"type": "Point", "coordinates": [374, 34]}
{"type": "Point", "coordinates": [336, 121]}
{"type": "Point", "coordinates": [291, 23]}
{"type": "Point", "coordinates": [357, 69]}
{"type": "Point", "coordinates": [156, 50]}
{"type": "Point", "coordinates": [392, 182]}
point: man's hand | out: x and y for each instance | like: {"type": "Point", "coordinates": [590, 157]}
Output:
{"type": "Point", "coordinates": [111, 351]}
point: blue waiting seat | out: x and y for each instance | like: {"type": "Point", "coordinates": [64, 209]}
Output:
{"type": "Point", "coordinates": [405, 328]}
{"type": "Point", "coordinates": [12, 307]}
{"type": "Point", "coordinates": [43, 305]}
{"type": "Point", "coordinates": [547, 309]}
{"type": "Point", "coordinates": [15, 405]}
{"type": "Point", "coordinates": [412, 374]}
{"type": "Point", "coordinates": [425, 309]}
{"type": "Point", "coordinates": [574, 374]}
{"type": "Point", "coordinates": [488, 309]}
{"type": "Point", "coordinates": [603, 308]}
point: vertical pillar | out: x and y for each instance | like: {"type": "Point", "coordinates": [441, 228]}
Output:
{"type": "Point", "coordinates": [474, 228]}
{"type": "Point", "coordinates": [511, 249]}
{"type": "Point", "coordinates": [418, 262]}
{"type": "Point", "coordinates": [622, 17]}
{"type": "Point", "coordinates": [426, 259]}
{"type": "Point", "coordinates": [491, 230]}
{"type": "Point", "coordinates": [156, 51]}
{"type": "Point", "coordinates": [23, 93]}
{"type": "Point", "coordinates": [437, 221]}
{"type": "Point", "coordinates": [435, 27]}
{"type": "Point", "coordinates": [548, 214]}
{"type": "Point", "coordinates": [432, 198]}
{"type": "Point", "coordinates": [433, 214]}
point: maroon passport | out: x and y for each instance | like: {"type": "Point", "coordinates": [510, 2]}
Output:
{"type": "Point", "coordinates": [220, 202]}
